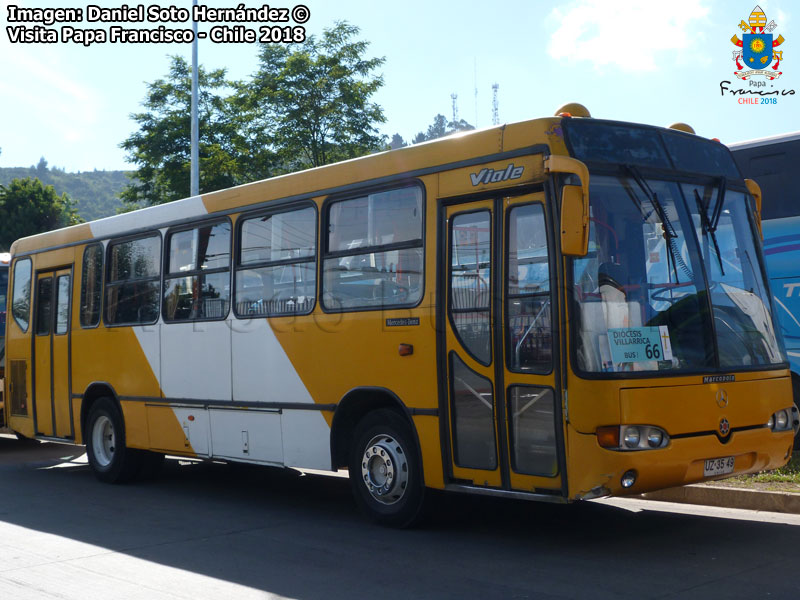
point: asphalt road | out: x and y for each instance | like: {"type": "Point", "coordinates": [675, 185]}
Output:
{"type": "Point", "coordinates": [215, 531]}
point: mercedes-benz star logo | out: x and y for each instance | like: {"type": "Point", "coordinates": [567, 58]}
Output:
{"type": "Point", "coordinates": [724, 427]}
{"type": "Point", "coordinates": [722, 398]}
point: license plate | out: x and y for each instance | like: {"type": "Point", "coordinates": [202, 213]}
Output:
{"type": "Point", "coordinates": [718, 466]}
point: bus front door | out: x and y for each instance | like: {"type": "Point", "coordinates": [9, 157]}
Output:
{"type": "Point", "coordinates": [52, 412]}
{"type": "Point", "coordinates": [503, 417]}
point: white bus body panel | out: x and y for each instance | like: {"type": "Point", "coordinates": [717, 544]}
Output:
{"type": "Point", "coordinates": [196, 360]}
{"type": "Point", "coordinates": [249, 435]}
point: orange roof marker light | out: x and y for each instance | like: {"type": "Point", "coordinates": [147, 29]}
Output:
{"type": "Point", "coordinates": [573, 109]}
{"type": "Point", "coordinates": [683, 127]}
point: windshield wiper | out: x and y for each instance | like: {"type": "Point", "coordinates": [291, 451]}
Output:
{"type": "Point", "coordinates": [709, 227]}
{"type": "Point", "coordinates": [645, 188]}
{"type": "Point", "coordinates": [669, 230]}
{"type": "Point", "coordinates": [723, 187]}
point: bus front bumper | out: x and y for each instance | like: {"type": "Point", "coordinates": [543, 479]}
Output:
{"type": "Point", "coordinates": [682, 462]}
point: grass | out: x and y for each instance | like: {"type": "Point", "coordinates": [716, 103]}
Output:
{"type": "Point", "coordinates": [787, 476]}
{"type": "Point", "coordinates": [789, 473]}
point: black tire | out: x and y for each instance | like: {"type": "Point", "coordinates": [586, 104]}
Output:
{"type": "Point", "coordinates": [111, 460]}
{"type": "Point", "coordinates": [394, 497]}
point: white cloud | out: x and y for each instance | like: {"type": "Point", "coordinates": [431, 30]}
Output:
{"type": "Point", "coordinates": [627, 34]}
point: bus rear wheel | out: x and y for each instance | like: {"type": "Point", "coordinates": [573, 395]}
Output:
{"type": "Point", "coordinates": [110, 459]}
{"type": "Point", "coordinates": [386, 470]}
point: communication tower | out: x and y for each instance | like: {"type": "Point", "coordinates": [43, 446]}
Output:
{"type": "Point", "coordinates": [476, 90]}
{"type": "Point", "coordinates": [495, 105]}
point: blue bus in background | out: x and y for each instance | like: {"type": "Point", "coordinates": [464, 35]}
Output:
{"type": "Point", "coordinates": [773, 163]}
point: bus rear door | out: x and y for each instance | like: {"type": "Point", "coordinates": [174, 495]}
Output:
{"type": "Point", "coordinates": [51, 354]}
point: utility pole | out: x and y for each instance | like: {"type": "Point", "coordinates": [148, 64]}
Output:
{"type": "Point", "coordinates": [194, 184]}
{"type": "Point", "coordinates": [454, 97]}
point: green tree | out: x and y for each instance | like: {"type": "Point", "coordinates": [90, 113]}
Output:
{"type": "Point", "coordinates": [436, 129]}
{"type": "Point", "coordinates": [397, 142]}
{"type": "Point", "coordinates": [457, 126]}
{"type": "Point", "coordinates": [28, 207]}
{"type": "Point", "coordinates": [161, 146]}
{"type": "Point", "coordinates": [310, 102]}
{"type": "Point", "coordinates": [441, 128]}
{"type": "Point", "coordinates": [95, 193]}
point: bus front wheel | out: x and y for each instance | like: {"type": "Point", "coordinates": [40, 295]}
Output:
{"type": "Point", "coordinates": [110, 459]}
{"type": "Point", "coordinates": [386, 470]}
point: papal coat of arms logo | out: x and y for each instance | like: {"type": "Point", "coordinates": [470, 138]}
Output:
{"type": "Point", "coordinates": [758, 48]}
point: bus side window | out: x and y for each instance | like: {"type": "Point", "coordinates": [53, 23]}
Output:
{"type": "Point", "coordinates": [133, 281]}
{"type": "Point", "coordinates": [276, 271]}
{"type": "Point", "coordinates": [21, 295]}
{"type": "Point", "coordinates": [91, 285]}
{"type": "Point", "coordinates": [374, 255]}
{"type": "Point", "coordinates": [197, 284]}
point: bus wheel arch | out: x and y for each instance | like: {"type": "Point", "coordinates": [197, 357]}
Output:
{"type": "Point", "coordinates": [352, 408]}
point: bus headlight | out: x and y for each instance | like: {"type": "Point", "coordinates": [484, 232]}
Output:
{"type": "Point", "coordinates": [782, 420]}
{"type": "Point", "coordinates": [655, 437]}
{"type": "Point", "coordinates": [632, 437]}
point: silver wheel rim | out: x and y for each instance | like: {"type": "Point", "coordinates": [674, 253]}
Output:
{"type": "Point", "coordinates": [384, 469]}
{"type": "Point", "coordinates": [103, 441]}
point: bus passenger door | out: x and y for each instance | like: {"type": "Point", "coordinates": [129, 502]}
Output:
{"type": "Point", "coordinates": [533, 423]}
{"type": "Point", "coordinates": [51, 347]}
{"type": "Point", "coordinates": [502, 411]}
{"type": "Point", "coordinates": [470, 354]}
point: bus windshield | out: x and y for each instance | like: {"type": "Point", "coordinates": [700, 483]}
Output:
{"type": "Point", "coordinates": [672, 281]}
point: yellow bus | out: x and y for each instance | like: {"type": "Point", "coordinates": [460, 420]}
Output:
{"type": "Point", "coordinates": [559, 309]}
{"type": "Point", "coordinates": [5, 260]}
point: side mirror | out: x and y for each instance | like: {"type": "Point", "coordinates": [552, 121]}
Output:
{"type": "Point", "coordinates": [755, 192]}
{"type": "Point", "coordinates": [574, 205]}
{"type": "Point", "coordinates": [574, 230]}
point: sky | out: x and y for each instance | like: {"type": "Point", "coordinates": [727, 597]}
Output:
{"type": "Point", "coordinates": [645, 61]}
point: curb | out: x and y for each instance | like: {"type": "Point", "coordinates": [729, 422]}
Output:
{"type": "Point", "coordinates": [730, 497]}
